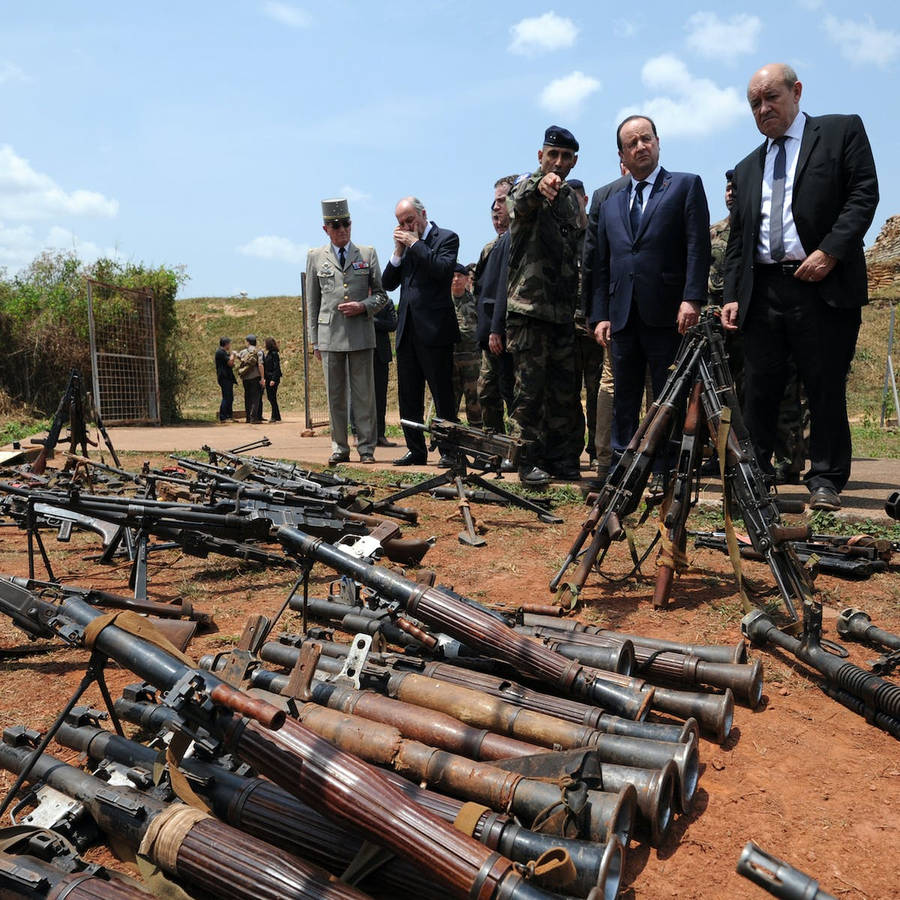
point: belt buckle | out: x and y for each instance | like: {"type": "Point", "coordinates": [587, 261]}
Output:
{"type": "Point", "coordinates": [790, 267]}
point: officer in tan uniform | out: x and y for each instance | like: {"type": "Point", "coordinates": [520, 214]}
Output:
{"type": "Point", "coordinates": [343, 293]}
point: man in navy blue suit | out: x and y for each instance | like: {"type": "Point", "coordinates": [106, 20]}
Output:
{"type": "Point", "coordinates": [650, 268]}
{"type": "Point", "coordinates": [422, 267]}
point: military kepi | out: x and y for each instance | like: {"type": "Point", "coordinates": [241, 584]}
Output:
{"type": "Point", "coordinates": [556, 136]}
{"type": "Point", "coordinates": [335, 209]}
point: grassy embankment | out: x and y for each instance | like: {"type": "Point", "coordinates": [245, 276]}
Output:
{"type": "Point", "coordinates": [204, 320]}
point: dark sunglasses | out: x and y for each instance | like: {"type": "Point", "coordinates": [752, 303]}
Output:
{"type": "Point", "coordinates": [339, 223]}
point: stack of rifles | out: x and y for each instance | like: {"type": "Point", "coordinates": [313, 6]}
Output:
{"type": "Point", "coordinates": [445, 749]}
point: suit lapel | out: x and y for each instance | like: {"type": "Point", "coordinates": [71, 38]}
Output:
{"type": "Point", "coordinates": [659, 188]}
{"type": "Point", "coordinates": [807, 142]}
{"type": "Point", "coordinates": [352, 254]}
{"type": "Point", "coordinates": [754, 198]}
{"type": "Point", "coordinates": [622, 199]}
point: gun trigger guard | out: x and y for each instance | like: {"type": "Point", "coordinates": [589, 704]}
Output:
{"type": "Point", "coordinates": [834, 648]}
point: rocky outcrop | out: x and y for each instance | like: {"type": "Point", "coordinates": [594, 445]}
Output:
{"type": "Point", "coordinates": [883, 260]}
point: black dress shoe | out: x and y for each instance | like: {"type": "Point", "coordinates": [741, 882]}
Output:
{"type": "Point", "coordinates": [384, 442]}
{"type": "Point", "coordinates": [411, 459]}
{"type": "Point", "coordinates": [338, 457]}
{"type": "Point", "coordinates": [533, 476]}
{"type": "Point", "coordinates": [445, 462]}
{"type": "Point", "coordinates": [824, 498]}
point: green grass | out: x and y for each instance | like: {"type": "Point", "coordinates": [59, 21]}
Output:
{"type": "Point", "coordinates": [19, 429]}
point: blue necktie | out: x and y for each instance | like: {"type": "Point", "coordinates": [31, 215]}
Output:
{"type": "Point", "coordinates": [341, 252]}
{"type": "Point", "coordinates": [637, 207]}
{"type": "Point", "coordinates": [776, 217]}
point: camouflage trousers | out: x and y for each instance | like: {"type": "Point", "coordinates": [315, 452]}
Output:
{"type": "Point", "coordinates": [546, 405]}
{"type": "Point", "coordinates": [496, 385]}
{"type": "Point", "coordinates": [466, 367]}
{"type": "Point", "coordinates": [588, 367]}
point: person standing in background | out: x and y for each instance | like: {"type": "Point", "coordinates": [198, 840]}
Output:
{"type": "Point", "coordinates": [385, 324]}
{"type": "Point", "coordinates": [466, 353]}
{"type": "Point", "coordinates": [225, 376]}
{"type": "Point", "coordinates": [272, 377]}
{"type": "Point", "coordinates": [250, 370]}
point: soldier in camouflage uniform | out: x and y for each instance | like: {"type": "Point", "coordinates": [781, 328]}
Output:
{"type": "Point", "coordinates": [542, 290]}
{"type": "Point", "coordinates": [466, 352]}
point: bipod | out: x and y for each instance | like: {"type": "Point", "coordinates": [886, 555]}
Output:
{"type": "Point", "coordinates": [458, 475]}
{"type": "Point", "coordinates": [93, 673]}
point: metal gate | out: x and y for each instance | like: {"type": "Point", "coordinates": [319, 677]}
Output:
{"type": "Point", "coordinates": [123, 354]}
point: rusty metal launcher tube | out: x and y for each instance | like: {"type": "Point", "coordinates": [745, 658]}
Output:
{"type": "Point", "coordinates": [475, 626]}
{"type": "Point", "coordinates": [608, 814]}
{"type": "Point", "coordinates": [206, 853]}
{"type": "Point", "coordinates": [561, 708]}
{"type": "Point", "coordinates": [712, 652]}
{"type": "Point", "coordinates": [744, 680]}
{"type": "Point", "coordinates": [613, 657]}
{"type": "Point", "coordinates": [312, 769]}
{"type": "Point", "coordinates": [266, 810]}
{"type": "Point", "coordinates": [429, 726]}
{"type": "Point", "coordinates": [26, 876]}
{"type": "Point", "coordinates": [655, 790]}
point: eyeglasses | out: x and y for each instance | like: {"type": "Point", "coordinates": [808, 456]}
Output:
{"type": "Point", "coordinates": [337, 224]}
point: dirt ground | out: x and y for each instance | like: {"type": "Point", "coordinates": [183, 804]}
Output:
{"type": "Point", "coordinates": [802, 776]}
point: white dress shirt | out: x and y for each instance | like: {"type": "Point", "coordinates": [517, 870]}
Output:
{"type": "Point", "coordinates": [648, 190]}
{"type": "Point", "coordinates": [793, 249]}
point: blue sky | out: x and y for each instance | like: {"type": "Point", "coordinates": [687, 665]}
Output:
{"type": "Point", "coordinates": [205, 134]}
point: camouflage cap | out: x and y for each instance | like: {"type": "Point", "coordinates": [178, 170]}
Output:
{"type": "Point", "coordinates": [576, 184]}
{"type": "Point", "coordinates": [335, 209]}
{"type": "Point", "coordinates": [460, 269]}
{"type": "Point", "coordinates": [557, 136]}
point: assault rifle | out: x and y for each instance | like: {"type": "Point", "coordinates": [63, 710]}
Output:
{"type": "Point", "coordinates": [826, 557]}
{"type": "Point", "coordinates": [283, 750]}
{"type": "Point", "coordinates": [700, 382]}
{"type": "Point", "coordinates": [487, 451]}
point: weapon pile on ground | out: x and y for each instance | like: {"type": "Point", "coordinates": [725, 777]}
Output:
{"type": "Point", "coordinates": [322, 758]}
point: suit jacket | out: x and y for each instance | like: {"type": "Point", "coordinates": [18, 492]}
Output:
{"type": "Point", "coordinates": [590, 238]}
{"type": "Point", "coordinates": [833, 202]}
{"type": "Point", "coordinates": [385, 323]}
{"type": "Point", "coordinates": [666, 262]}
{"type": "Point", "coordinates": [424, 276]}
{"type": "Point", "coordinates": [327, 286]}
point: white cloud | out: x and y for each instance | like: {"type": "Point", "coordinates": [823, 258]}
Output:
{"type": "Point", "coordinates": [722, 39]}
{"type": "Point", "coordinates": [863, 42]}
{"type": "Point", "coordinates": [279, 249]}
{"type": "Point", "coordinates": [11, 72]}
{"type": "Point", "coordinates": [684, 105]}
{"type": "Point", "coordinates": [286, 14]}
{"type": "Point", "coordinates": [542, 34]}
{"type": "Point", "coordinates": [354, 195]}
{"type": "Point", "coordinates": [566, 96]}
{"type": "Point", "coordinates": [19, 245]}
{"type": "Point", "coordinates": [27, 194]}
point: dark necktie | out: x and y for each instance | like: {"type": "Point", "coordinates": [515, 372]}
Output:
{"type": "Point", "coordinates": [341, 256]}
{"type": "Point", "coordinates": [637, 207]}
{"type": "Point", "coordinates": [776, 217]}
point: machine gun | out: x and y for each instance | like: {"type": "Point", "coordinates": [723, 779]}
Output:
{"type": "Point", "coordinates": [486, 451]}
{"type": "Point", "coordinates": [700, 382]}
{"type": "Point", "coordinates": [183, 842]}
{"type": "Point", "coordinates": [305, 765]}
{"type": "Point", "coordinates": [71, 411]}
{"type": "Point", "coordinates": [872, 697]}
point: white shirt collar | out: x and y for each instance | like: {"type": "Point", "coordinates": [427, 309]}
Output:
{"type": "Point", "coordinates": [428, 228]}
{"type": "Point", "coordinates": [794, 130]}
{"type": "Point", "coordinates": [337, 250]}
{"type": "Point", "coordinates": [650, 179]}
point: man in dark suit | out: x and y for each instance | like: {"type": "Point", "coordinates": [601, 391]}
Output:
{"type": "Point", "coordinates": [422, 267]}
{"type": "Point", "coordinates": [649, 273]}
{"type": "Point", "coordinates": [795, 274]}
{"type": "Point", "coordinates": [385, 324]}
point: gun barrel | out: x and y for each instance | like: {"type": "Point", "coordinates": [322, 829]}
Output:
{"type": "Point", "coordinates": [777, 877]}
